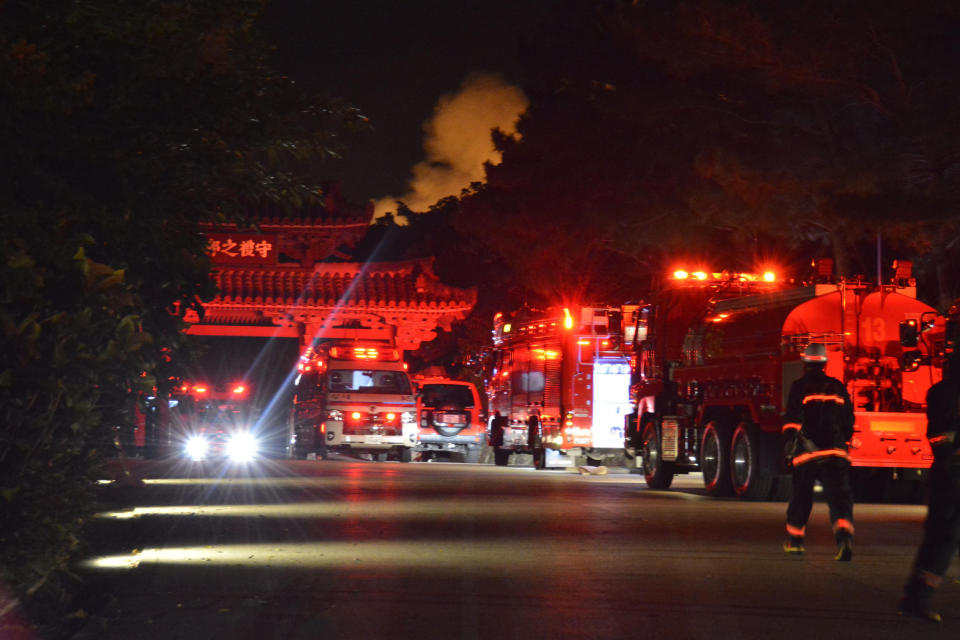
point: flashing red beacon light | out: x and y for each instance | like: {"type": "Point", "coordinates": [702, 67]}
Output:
{"type": "Point", "coordinates": [239, 389]}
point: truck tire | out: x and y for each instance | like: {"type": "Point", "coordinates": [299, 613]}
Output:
{"type": "Point", "coordinates": [656, 472]}
{"type": "Point", "coordinates": [749, 478]}
{"type": "Point", "coordinates": [501, 457]}
{"type": "Point", "coordinates": [322, 452]}
{"type": "Point", "coordinates": [631, 439]}
{"type": "Point", "coordinates": [406, 454]}
{"type": "Point", "coordinates": [540, 458]}
{"type": "Point", "coordinates": [298, 451]}
{"type": "Point", "coordinates": [715, 459]}
{"type": "Point", "coordinates": [472, 456]}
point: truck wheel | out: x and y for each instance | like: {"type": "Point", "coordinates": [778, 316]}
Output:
{"type": "Point", "coordinates": [322, 452]}
{"type": "Point", "coordinates": [379, 457]}
{"type": "Point", "coordinates": [472, 456]}
{"type": "Point", "coordinates": [656, 472]}
{"type": "Point", "coordinates": [540, 458]}
{"type": "Point", "coordinates": [406, 454]}
{"type": "Point", "coordinates": [750, 480]}
{"type": "Point", "coordinates": [501, 457]}
{"type": "Point", "coordinates": [298, 452]}
{"type": "Point", "coordinates": [715, 459]}
{"type": "Point", "coordinates": [631, 439]}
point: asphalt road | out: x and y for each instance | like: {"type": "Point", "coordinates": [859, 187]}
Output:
{"type": "Point", "coordinates": [355, 549]}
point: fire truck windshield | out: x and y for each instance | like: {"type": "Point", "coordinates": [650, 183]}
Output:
{"type": "Point", "coordinates": [368, 381]}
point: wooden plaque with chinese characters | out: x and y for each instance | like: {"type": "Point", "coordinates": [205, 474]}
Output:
{"type": "Point", "coordinates": [242, 248]}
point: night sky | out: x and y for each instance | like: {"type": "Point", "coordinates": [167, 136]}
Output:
{"type": "Point", "coordinates": [393, 60]}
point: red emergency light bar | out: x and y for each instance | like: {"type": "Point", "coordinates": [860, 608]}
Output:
{"type": "Point", "coordinates": [694, 277]}
{"type": "Point", "coordinates": [237, 389]}
{"type": "Point", "coordinates": [364, 353]}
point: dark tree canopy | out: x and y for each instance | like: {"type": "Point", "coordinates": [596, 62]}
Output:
{"type": "Point", "coordinates": [730, 132]}
{"type": "Point", "coordinates": [123, 127]}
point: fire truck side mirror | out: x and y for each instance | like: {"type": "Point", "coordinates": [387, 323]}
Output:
{"type": "Point", "coordinates": [909, 333]}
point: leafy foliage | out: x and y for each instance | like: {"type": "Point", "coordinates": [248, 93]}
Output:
{"type": "Point", "coordinates": [122, 130]}
{"type": "Point", "coordinates": [729, 132]}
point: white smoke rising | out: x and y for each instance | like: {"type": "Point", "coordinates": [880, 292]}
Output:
{"type": "Point", "coordinates": [457, 141]}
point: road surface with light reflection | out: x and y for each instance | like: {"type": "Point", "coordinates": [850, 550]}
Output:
{"type": "Point", "coordinates": [355, 549]}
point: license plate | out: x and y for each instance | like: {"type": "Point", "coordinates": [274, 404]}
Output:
{"type": "Point", "coordinates": [451, 418]}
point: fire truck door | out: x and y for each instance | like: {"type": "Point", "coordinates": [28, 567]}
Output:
{"type": "Point", "coordinates": [792, 371]}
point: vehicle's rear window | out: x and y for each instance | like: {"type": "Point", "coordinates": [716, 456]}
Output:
{"type": "Point", "coordinates": [436, 395]}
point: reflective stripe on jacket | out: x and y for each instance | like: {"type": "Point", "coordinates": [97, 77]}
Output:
{"type": "Point", "coordinates": [821, 406]}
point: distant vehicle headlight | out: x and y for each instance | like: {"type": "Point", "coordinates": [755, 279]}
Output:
{"type": "Point", "coordinates": [196, 448]}
{"type": "Point", "coordinates": [242, 447]}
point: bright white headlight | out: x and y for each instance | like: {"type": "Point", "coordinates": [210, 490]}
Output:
{"type": "Point", "coordinates": [196, 448]}
{"type": "Point", "coordinates": [242, 447]}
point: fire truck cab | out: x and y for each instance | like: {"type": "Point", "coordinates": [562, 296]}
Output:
{"type": "Point", "coordinates": [558, 385]}
{"type": "Point", "coordinates": [355, 398]}
{"type": "Point", "coordinates": [451, 419]}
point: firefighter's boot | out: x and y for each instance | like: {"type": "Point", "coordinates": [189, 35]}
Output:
{"type": "Point", "coordinates": [915, 602]}
{"type": "Point", "coordinates": [844, 547]}
{"type": "Point", "coordinates": [917, 609]}
{"type": "Point", "coordinates": [794, 545]}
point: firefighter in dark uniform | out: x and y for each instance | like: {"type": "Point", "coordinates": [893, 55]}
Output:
{"type": "Point", "coordinates": [817, 426]}
{"type": "Point", "coordinates": [941, 530]}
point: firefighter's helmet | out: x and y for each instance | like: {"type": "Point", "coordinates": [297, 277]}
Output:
{"type": "Point", "coordinates": [815, 352]}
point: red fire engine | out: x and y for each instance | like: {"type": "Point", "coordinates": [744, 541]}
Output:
{"type": "Point", "coordinates": [558, 385]}
{"type": "Point", "coordinates": [716, 354]}
{"type": "Point", "coordinates": [213, 420]}
{"type": "Point", "coordinates": [353, 397]}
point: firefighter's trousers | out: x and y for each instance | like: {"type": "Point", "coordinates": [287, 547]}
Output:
{"type": "Point", "coordinates": [941, 529]}
{"type": "Point", "coordinates": [834, 474]}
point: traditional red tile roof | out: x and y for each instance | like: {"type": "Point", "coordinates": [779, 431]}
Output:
{"type": "Point", "coordinates": [410, 284]}
{"type": "Point", "coordinates": [296, 295]}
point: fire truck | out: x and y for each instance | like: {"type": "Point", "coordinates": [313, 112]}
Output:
{"type": "Point", "coordinates": [213, 420]}
{"type": "Point", "coordinates": [558, 385]}
{"type": "Point", "coordinates": [716, 354]}
{"type": "Point", "coordinates": [353, 397]}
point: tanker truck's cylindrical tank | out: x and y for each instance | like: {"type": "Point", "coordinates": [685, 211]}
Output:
{"type": "Point", "coordinates": [867, 327]}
